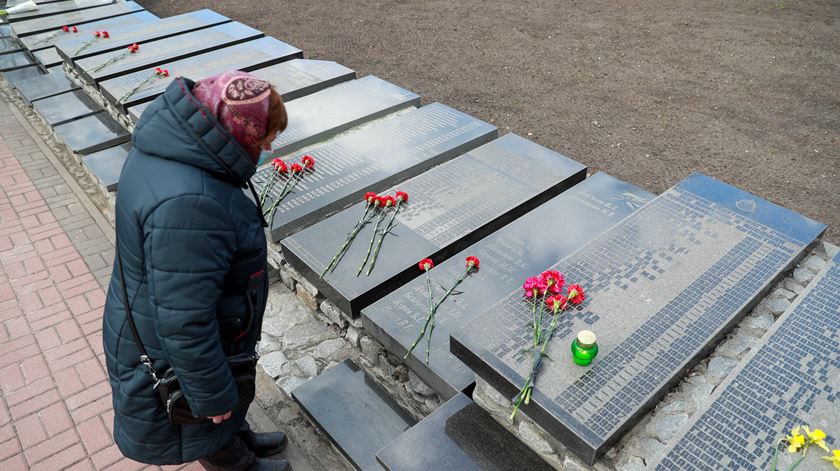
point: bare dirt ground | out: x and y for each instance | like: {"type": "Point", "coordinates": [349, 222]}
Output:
{"type": "Point", "coordinates": [648, 91]}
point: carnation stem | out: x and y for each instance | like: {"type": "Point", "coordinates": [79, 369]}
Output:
{"type": "Point", "coordinates": [350, 237]}
{"type": "Point", "coordinates": [539, 320]}
{"type": "Point", "coordinates": [372, 240]}
{"type": "Point", "coordinates": [266, 190]}
{"type": "Point", "coordinates": [526, 391]}
{"type": "Point", "coordinates": [109, 62]}
{"type": "Point", "coordinates": [138, 87]}
{"type": "Point", "coordinates": [287, 189]}
{"type": "Point", "coordinates": [428, 318]}
{"type": "Point", "coordinates": [84, 46]}
{"type": "Point", "coordinates": [388, 227]}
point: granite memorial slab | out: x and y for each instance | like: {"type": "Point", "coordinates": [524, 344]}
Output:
{"type": "Point", "coordinates": [66, 107]}
{"type": "Point", "coordinates": [123, 92]}
{"type": "Point", "coordinates": [450, 207]}
{"type": "Point", "coordinates": [300, 77]}
{"type": "Point", "coordinates": [292, 79]}
{"type": "Point", "coordinates": [15, 60]}
{"type": "Point", "coordinates": [10, 45]}
{"type": "Point", "coordinates": [461, 436]}
{"type": "Point", "coordinates": [47, 57]}
{"type": "Point", "coordinates": [120, 62]}
{"type": "Point", "coordinates": [57, 8]}
{"type": "Point", "coordinates": [18, 77]}
{"type": "Point", "coordinates": [791, 378]}
{"type": "Point", "coordinates": [319, 116]}
{"type": "Point", "coordinates": [93, 133]}
{"type": "Point", "coordinates": [47, 39]}
{"type": "Point", "coordinates": [106, 165]}
{"type": "Point", "coordinates": [373, 159]}
{"type": "Point", "coordinates": [662, 289]}
{"type": "Point", "coordinates": [75, 18]}
{"type": "Point", "coordinates": [508, 256]}
{"type": "Point", "coordinates": [355, 413]}
{"type": "Point", "coordinates": [44, 86]}
{"type": "Point", "coordinates": [5, 30]}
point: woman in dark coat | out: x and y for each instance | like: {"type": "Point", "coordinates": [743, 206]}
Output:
{"type": "Point", "coordinates": [193, 252]}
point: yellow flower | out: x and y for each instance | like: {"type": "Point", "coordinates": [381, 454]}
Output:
{"type": "Point", "coordinates": [835, 460]}
{"type": "Point", "coordinates": [795, 440]}
{"type": "Point", "coordinates": [817, 437]}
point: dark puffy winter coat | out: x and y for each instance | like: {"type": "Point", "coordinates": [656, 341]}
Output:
{"type": "Point", "coordinates": [194, 255]}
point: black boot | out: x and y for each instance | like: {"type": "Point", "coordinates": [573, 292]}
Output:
{"type": "Point", "coordinates": [262, 464]}
{"type": "Point", "coordinates": [262, 444]}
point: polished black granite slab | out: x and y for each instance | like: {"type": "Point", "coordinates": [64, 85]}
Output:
{"type": "Point", "coordinates": [300, 77]}
{"type": "Point", "coordinates": [91, 134]}
{"type": "Point", "coordinates": [508, 256]}
{"type": "Point", "coordinates": [663, 287]}
{"type": "Point", "coordinates": [47, 57]}
{"type": "Point", "coordinates": [18, 77]}
{"type": "Point", "coordinates": [49, 39]}
{"type": "Point", "coordinates": [461, 436]}
{"type": "Point", "coordinates": [292, 79]}
{"type": "Point", "coordinates": [66, 107]}
{"type": "Point", "coordinates": [43, 86]}
{"type": "Point", "coordinates": [354, 412]}
{"type": "Point", "coordinates": [15, 60]}
{"type": "Point", "coordinates": [9, 45]}
{"type": "Point", "coordinates": [123, 36]}
{"type": "Point", "coordinates": [791, 378]}
{"type": "Point", "coordinates": [373, 159]}
{"type": "Point", "coordinates": [106, 165]}
{"type": "Point", "coordinates": [57, 8]}
{"type": "Point", "coordinates": [450, 207]}
{"type": "Point", "coordinates": [246, 56]}
{"type": "Point", "coordinates": [75, 18]}
{"type": "Point", "coordinates": [319, 116]}
{"type": "Point", "coordinates": [5, 30]}
{"type": "Point", "coordinates": [152, 53]}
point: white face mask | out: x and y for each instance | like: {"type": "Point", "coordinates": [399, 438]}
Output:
{"type": "Point", "coordinates": [265, 156]}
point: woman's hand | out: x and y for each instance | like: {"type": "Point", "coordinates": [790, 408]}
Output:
{"type": "Point", "coordinates": [217, 419]}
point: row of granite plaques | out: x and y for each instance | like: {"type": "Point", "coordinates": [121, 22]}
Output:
{"type": "Point", "coordinates": [666, 277]}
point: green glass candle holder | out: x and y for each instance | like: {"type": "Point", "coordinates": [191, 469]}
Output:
{"type": "Point", "coordinates": [584, 348]}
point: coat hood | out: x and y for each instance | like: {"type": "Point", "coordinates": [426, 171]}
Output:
{"type": "Point", "coordinates": [177, 127]}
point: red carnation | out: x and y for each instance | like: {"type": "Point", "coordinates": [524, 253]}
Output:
{"type": "Point", "coordinates": [426, 264]}
{"type": "Point", "coordinates": [66, 29]}
{"type": "Point", "coordinates": [158, 71]}
{"type": "Point", "coordinates": [553, 280]}
{"type": "Point", "coordinates": [402, 196]}
{"type": "Point", "coordinates": [576, 295]}
{"type": "Point", "coordinates": [308, 161]}
{"type": "Point", "coordinates": [105, 34]}
{"type": "Point", "coordinates": [370, 197]}
{"type": "Point", "coordinates": [133, 48]}
{"type": "Point", "coordinates": [75, 29]}
{"type": "Point", "coordinates": [98, 34]}
{"type": "Point", "coordinates": [473, 262]}
{"type": "Point", "coordinates": [296, 168]}
{"type": "Point", "coordinates": [280, 166]}
{"type": "Point", "coordinates": [387, 201]}
{"type": "Point", "coordinates": [556, 303]}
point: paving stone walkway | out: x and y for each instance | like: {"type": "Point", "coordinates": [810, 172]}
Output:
{"type": "Point", "coordinates": [55, 257]}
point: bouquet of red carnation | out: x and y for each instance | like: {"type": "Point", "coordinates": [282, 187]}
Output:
{"type": "Point", "coordinates": [545, 293]}
{"type": "Point", "coordinates": [425, 265]}
{"type": "Point", "coordinates": [292, 174]}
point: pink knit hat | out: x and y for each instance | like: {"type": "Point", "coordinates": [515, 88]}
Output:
{"type": "Point", "coordinates": [240, 102]}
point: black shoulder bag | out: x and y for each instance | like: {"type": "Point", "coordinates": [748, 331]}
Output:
{"type": "Point", "coordinates": [178, 409]}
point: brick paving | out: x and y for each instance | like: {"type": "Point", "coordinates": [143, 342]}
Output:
{"type": "Point", "coordinates": [55, 257]}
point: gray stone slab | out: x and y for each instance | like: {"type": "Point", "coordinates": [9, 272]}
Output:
{"type": "Point", "coordinates": [450, 207]}
{"type": "Point", "coordinates": [300, 77]}
{"type": "Point", "coordinates": [123, 36]}
{"type": "Point", "coordinates": [322, 115]}
{"type": "Point", "coordinates": [47, 57]}
{"type": "Point", "coordinates": [246, 56]}
{"type": "Point", "coordinates": [10, 45]}
{"type": "Point", "coordinates": [461, 436]}
{"type": "Point", "coordinates": [152, 53]}
{"type": "Point", "coordinates": [55, 22]}
{"type": "Point", "coordinates": [791, 378]}
{"type": "Point", "coordinates": [373, 159]}
{"type": "Point", "coordinates": [507, 256]}
{"type": "Point", "coordinates": [15, 60]}
{"type": "Point", "coordinates": [50, 38]}
{"type": "Point", "coordinates": [354, 412]}
{"type": "Point", "coordinates": [57, 8]}
{"type": "Point", "coordinates": [43, 86]}
{"type": "Point", "coordinates": [106, 165]}
{"type": "Point", "coordinates": [91, 134]}
{"type": "Point", "coordinates": [66, 107]}
{"type": "Point", "coordinates": [292, 79]}
{"type": "Point", "coordinates": [18, 77]}
{"type": "Point", "coordinates": [663, 287]}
